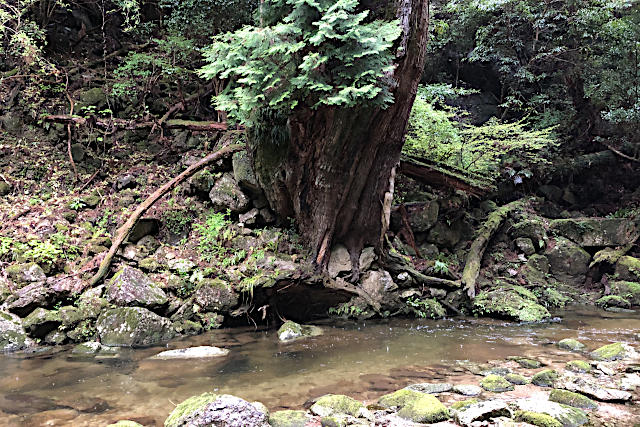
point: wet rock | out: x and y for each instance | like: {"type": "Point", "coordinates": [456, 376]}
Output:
{"type": "Point", "coordinates": [628, 290]}
{"type": "Point", "coordinates": [593, 232]}
{"type": "Point", "coordinates": [571, 344]}
{"type": "Point", "coordinates": [566, 415]}
{"type": "Point", "coordinates": [339, 262]}
{"type": "Point", "coordinates": [40, 322]}
{"type": "Point", "coordinates": [516, 379]}
{"type": "Point", "coordinates": [496, 384]}
{"type": "Point", "coordinates": [132, 326]}
{"type": "Point", "coordinates": [568, 261]}
{"type": "Point", "coordinates": [525, 245]}
{"type": "Point", "coordinates": [288, 418]}
{"type": "Point", "coordinates": [608, 301]}
{"type": "Point", "coordinates": [27, 273]}
{"type": "Point", "coordinates": [415, 406]}
{"type": "Point", "coordinates": [215, 295]}
{"type": "Point", "coordinates": [226, 194]}
{"type": "Point", "coordinates": [628, 269]}
{"type": "Point", "coordinates": [545, 378]}
{"type": "Point", "coordinates": [12, 335]}
{"type": "Point", "coordinates": [482, 411]}
{"type": "Point", "coordinates": [516, 303]}
{"type": "Point", "coordinates": [579, 366]}
{"type": "Point", "coordinates": [525, 362]}
{"type": "Point", "coordinates": [131, 287]}
{"type": "Point", "coordinates": [431, 388]}
{"type": "Point", "coordinates": [87, 348]}
{"type": "Point", "coordinates": [615, 351]}
{"type": "Point", "coordinates": [211, 409]}
{"type": "Point", "coordinates": [467, 389]}
{"type": "Point", "coordinates": [570, 398]}
{"type": "Point", "coordinates": [590, 387]}
{"type": "Point", "coordinates": [192, 353]}
{"type": "Point", "coordinates": [144, 227]}
{"type": "Point", "coordinates": [291, 331]}
{"type": "Point", "coordinates": [332, 404]}
{"type": "Point", "coordinates": [536, 419]}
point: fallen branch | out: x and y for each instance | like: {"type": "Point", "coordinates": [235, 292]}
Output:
{"type": "Point", "coordinates": [397, 264]}
{"type": "Point", "coordinates": [123, 232]}
{"type": "Point", "coordinates": [132, 124]}
{"type": "Point", "coordinates": [474, 258]}
{"type": "Point", "coordinates": [620, 153]}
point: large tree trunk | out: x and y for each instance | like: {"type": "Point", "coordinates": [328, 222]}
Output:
{"type": "Point", "coordinates": [332, 169]}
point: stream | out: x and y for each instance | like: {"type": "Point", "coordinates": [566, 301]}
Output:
{"type": "Point", "coordinates": [363, 360]}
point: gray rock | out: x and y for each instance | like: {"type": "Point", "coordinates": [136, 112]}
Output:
{"type": "Point", "coordinates": [422, 216]}
{"type": "Point", "coordinates": [566, 415]}
{"type": "Point", "coordinates": [199, 352]}
{"type": "Point", "coordinates": [482, 411]}
{"type": "Point", "coordinates": [339, 262]}
{"type": "Point", "coordinates": [467, 389]}
{"type": "Point", "coordinates": [131, 327]}
{"type": "Point", "coordinates": [41, 321]}
{"type": "Point", "coordinates": [215, 295]}
{"type": "Point", "coordinates": [181, 265]}
{"type": "Point", "coordinates": [26, 299]}
{"type": "Point", "coordinates": [568, 261]}
{"type": "Point", "coordinates": [12, 335]}
{"type": "Point", "coordinates": [525, 245]}
{"type": "Point", "coordinates": [377, 284]}
{"type": "Point", "coordinates": [125, 181]}
{"type": "Point", "coordinates": [23, 274]}
{"type": "Point", "coordinates": [431, 388]}
{"type": "Point", "coordinates": [252, 217]}
{"type": "Point", "coordinates": [367, 257]}
{"type": "Point", "coordinates": [596, 232]}
{"type": "Point", "coordinates": [226, 194]}
{"type": "Point", "coordinates": [210, 409]}
{"type": "Point", "coordinates": [130, 286]}
{"type": "Point", "coordinates": [291, 331]}
{"type": "Point", "coordinates": [592, 388]}
{"type": "Point", "coordinates": [244, 175]}
{"type": "Point", "coordinates": [267, 216]}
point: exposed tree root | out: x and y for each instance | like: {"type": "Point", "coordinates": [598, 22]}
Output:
{"type": "Point", "coordinates": [123, 232]}
{"type": "Point", "coordinates": [488, 229]}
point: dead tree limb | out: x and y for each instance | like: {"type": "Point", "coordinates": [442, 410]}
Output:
{"type": "Point", "coordinates": [132, 124]}
{"type": "Point", "coordinates": [478, 246]}
{"type": "Point", "coordinates": [123, 232]}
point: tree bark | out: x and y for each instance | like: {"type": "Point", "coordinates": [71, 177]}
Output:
{"type": "Point", "coordinates": [331, 168]}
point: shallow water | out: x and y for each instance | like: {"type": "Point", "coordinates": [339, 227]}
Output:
{"type": "Point", "coordinates": [363, 360]}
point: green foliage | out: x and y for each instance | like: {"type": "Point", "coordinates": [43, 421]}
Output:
{"type": "Point", "coordinates": [76, 204]}
{"type": "Point", "coordinates": [211, 235]}
{"type": "Point", "coordinates": [177, 220]}
{"type": "Point", "coordinates": [441, 267]}
{"type": "Point", "coordinates": [347, 310]}
{"type": "Point", "coordinates": [425, 307]}
{"type": "Point", "coordinates": [310, 53]}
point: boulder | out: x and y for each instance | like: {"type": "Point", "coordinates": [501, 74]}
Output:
{"type": "Point", "coordinates": [24, 274]}
{"type": "Point", "coordinates": [615, 351]}
{"type": "Point", "coordinates": [570, 398]}
{"type": "Point", "coordinates": [291, 331]}
{"type": "Point", "coordinates": [377, 284]}
{"type": "Point", "coordinates": [532, 229]}
{"type": "Point", "coordinates": [515, 303]}
{"type": "Point", "coordinates": [516, 379]}
{"type": "Point", "coordinates": [215, 295]}
{"type": "Point", "coordinates": [579, 366]}
{"type": "Point", "coordinates": [132, 327]}
{"type": "Point", "coordinates": [244, 175]}
{"type": "Point", "coordinates": [444, 235]}
{"type": "Point", "coordinates": [226, 194]}
{"type": "Point", "coordinates": [496, 384]}
{"type": "Point", "coordinates": [609, 301]}
{"type": "Point", "coordinates": [536, 419]}
{"type": "Point", "coordinates": [12, 335]}
{"type": "Point", "coordinates": [422, 216]}
{"type": "Point", "coordinates": [93, 97]}
{"type": "Point", "coordinates": [567, 416]}
{"type": "Point", "coordinates": [589, 386]}
{"type": "Point", "coordinates": [144, 227]}
{"type": "Point", "coordinates": [568, 262]}
{"type": "Point", "coordinates": [333, 404]}
{"type": "Point", "coordinates": [545, 378]}
{"type": "Point", "coordinates": [571, 344]}
{"type": "Point", "coordinates": [525, 245]}
{"type": "Point", "coordinates": [415, 406]}
{"type": "Point", "coordinates": [224, 410]}
{"type": "Point", "coordinates": [430, 388]}
{"type": "Point", "coordinates": [627, 290]}
{"type": "Point", "coordinates": [628, 268]}
{"type": "Point", "coordinates": [202, 182]}
{"type": "Point", "coordinates": [41, 321]}
{"type": "Point", "coordinates": [131, 287]}
{"type": "Point", "coordinates": [467, 389]}
{"type": "Point", "coordinates": [288, 418]}
{"type": "Point", "coordinates": [26, 299]}
{"type": "Point", "coordinates": [482, 411]}
{"type": "Point", "coordinates": [339, 262]}
{"type": "Point", "coordinates": [596, 232]}
{"type": "Point", "coordinates": [204, 351]}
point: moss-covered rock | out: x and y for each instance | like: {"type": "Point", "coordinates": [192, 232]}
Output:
{"type": "Point", "coordinates": [578, 366]}
{"type": "Point", "coordinates": [572, 399]}
{"type": "Point", "coordinates": [290, 331]}
{"type": "Point", "coordinates": [525, 362]}
{"type": "Point", "coordinates": [595, 232]}
{"type": "Point", "coordinates": [331, 404]}
{"type": "Point", "coordinates": [567, 416]}
{"type": "Point", "coordinates": [516, 303]}
{"type": "Point", "coordinates": [613, 351]}
{"type": "Point", "coordinates": [132, 326]}
{"type": "Point", "coordinates": [545, 378]}
{"type": "Point", "coordinates": [41, 321]}
{"type": "Point", "coordinates": [482, 411]}
{"type": "Point", "coordinates": [12, 335]}
{"type": "Point", "coordinates": [536, 419]}
{"type": "Point", "coordinates": [24, 274]}
{"type": "Point", "coordinates": [215, 295]}
{"type": "Point", "coordinates": [568, 262]}
{"type": "Point", "coordinates": [211, 409]}
{"type": "Point", "coordinates": [628, 268]}
{"type": "Point", "coordinates": [627, 290]}
{"type": "Point", "coordinates": [288, 418]}
{"type": "Point", "coordinates": [463, 404]}
{"type": "Point", "coordinates": [125, 423]}
{"type": "Point", "coordinates": [516, 379]}
{"type": "Point", "coordinates": [496, 384]}
{"type": "Point", "coordinates": [226, 194]}
{"type": "Point", "coordinates": [415, 406]}
{"type": "Point", "coordinates": [571, 344]}
{"type": "Point", "coordinates": [613, 301]}
{"type": "Point", "coordinates": [131, 287]}
{"type": "Point", "coordinates": [244, 175]}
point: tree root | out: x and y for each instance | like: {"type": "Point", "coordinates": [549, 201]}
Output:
{"type": "Point", "coordinates": [488, 229]}
{"type": "Point", "coordinates": [123, 232]}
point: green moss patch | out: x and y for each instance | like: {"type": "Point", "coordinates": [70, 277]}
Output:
{"type": "Point", "coordinates": [537, 419]}
{"type": "Point", "coordinates": [545, 378]}
{"type": "Point", "coordinates": [572, 399]}
{"type": "Point", "coordinates": [496, 384]}
{"type": "Point", "coordinates": [578, 366]}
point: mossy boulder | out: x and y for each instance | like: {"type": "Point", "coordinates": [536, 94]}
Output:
{"type": "Point", "coordinates": [496, 384]}
{"type": "Point", "coordinates": [331, 404]}
{"type": "Point", "coordinates": [579, 366]}
{"type": "Point", "coordinates": [288, 418]}
{"type": "Point", "coordinates": [92, 97]}
{"type": "Point", "coordinates": [12, 335]}
{"type": "Point", "coordinates": [514, 303]}
{"type": "Point", "coordinates": [463, 404]}
{"type": "Point", "coordinates": [613, 301]}
{"type": "Point", "coordinates": [628, 268]}
{"type": "Point", "coordinates": [131, 287]}
{"type": "Point", "coordinates": [525, 362]}
{"type": "Point", "coordinates": [4, 188]}
{"type": "Point", "coordinates": [570, 398]}
{"type": "Point", "coordinates": [41, 321]}
{"type": "Point", "coordinates": [244, 175]}
{"type": "Point", "coordinates": [215, 295]}
{"type": "Point", "coordinates": [627, 290]}
{"type": "Point", "coordinates": [422, 216]}
{"type": "Point", "coordinates": [125, 423]}
{"type": "Point", "coordinates": [545, 378]}
{"type": "Point", "coordinates": [290, 331]}
{"type": "Point", "coordinates": [567, 416]}
{"type": "Point", "coordinates": [24, 274]}
{"type": "Point", "coordinates": [209, 409]}
{"type": "Point", "coordinates": [415, 406]}
{"type": "Point", "coordinates": [516, 379]}
{"type": "Point", "coordinates": [87, 348]}
{"type": "Point", "coordinates": [536, 419]}
{"type": "Point", "coordinates": [481, 411]}
{"type": "Point", "coordinates": [571, 344]}
{"type": "Point", "coordinates": [132, 326]}
{"type": "Point", "coordinates": [613, 351]}
{"type": "Point", "coordinates": [567, 261]}
{"type": "Point", "coordinates": [530, 228]}
{"type": "Point", "coordinates": [226, 194]}
{"type": "Point", "coordinates": [595, 232]}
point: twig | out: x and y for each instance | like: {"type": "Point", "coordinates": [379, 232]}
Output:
{"type": "Point", "coordinates": [89, 180]}
{"type": "Point", "coordinates": [620, 153]}
{"type": "Point", "coordinates": [71, 104]}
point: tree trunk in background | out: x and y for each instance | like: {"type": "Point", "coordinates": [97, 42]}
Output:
{"type": "Point", "coordinates": [332, 169]}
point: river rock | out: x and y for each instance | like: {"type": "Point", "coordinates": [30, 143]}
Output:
{"type": "Point", "coordinates": [431, 388]}
{"type": "Point", "coordinates": [482, 411]}
{"type": "Point", "coordinates": [12, 335]}
{"type": "Point", "coordinates": [579, 366]}
{"type": "Point", "coordinates": [570, 398]}
{"type": "Point", "coordinates": [41, 321]}
{"type": "Point", "coordinates": [496, 384]}
{"type": "Point", "coordinates": [211, 409]}
{"type": "Point", "coordinates": [568, 261]}
{"type": "Point", "coordinates": [628, 290]}
{"type": "Point", "coordinates": [130, 286]}
{"type": "Point", "coordinates": [132, 326]}
{"type": "Point", "coordinates": [339, 262]}
{"type": "Point", "coordinates": [125, 423]}
{"type": "Point", "coordinates": [226, 194]}
{"type": "Point", "coordinates": [334, 404]}
{"type": "Point", "coordinates": [288, 418]}
{"type": "Point", "coordinates": [377, 284]}
{"type": "Point", "coordinates": [467, 389]}
{"type": "Point", "coordinates": [516, 379]}
{"type": "Point", "coordinates": [291, 331]}
{"type": "Point", "coordinates": [87, 348]}
{"type": "Point", "coordinates": [192, 353]}
{"type": "Point", "coordinates": [571, 344]}
{"type": "Point", "coordinates": [594, 232]}
{"type": "Point", "coordinates": [545, 378]}
{"type": "Point", "coordinates": [592, 388]}
{"type": "Point", "coordinates": [628, 268]}
{"type": "Point", "coordinates": [566, 415]}
{"type": "Point", "coordinates": [27, 273]}
{"type": "Point", "coordinates": [516, 303]}
{"type": "Point", "coordinates": [415, 406]}
{"type": "Point", "coordinates": [215, 295]}
{"type": "Point", "coordinates": [615, 351]}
